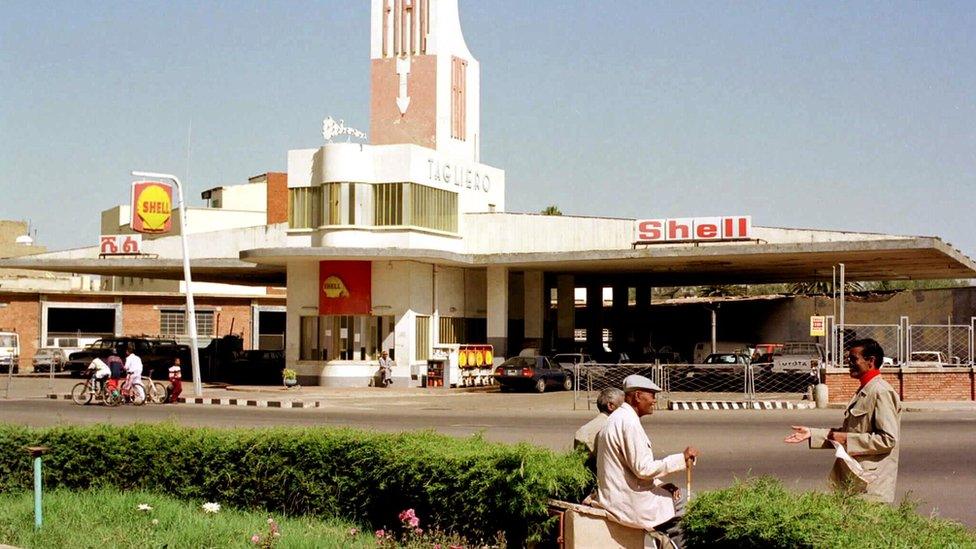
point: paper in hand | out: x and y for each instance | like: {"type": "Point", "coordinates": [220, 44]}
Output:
{"type": "Point", "coordinates": [852, 464]}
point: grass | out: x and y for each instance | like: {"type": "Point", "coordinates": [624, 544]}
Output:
{"type": "Point", "coordinates": [107, 518]}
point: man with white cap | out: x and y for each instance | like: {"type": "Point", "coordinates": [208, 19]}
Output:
{"type": "Point", "coordinates": [628, 477]}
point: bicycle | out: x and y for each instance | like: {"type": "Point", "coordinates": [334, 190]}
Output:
{"type": "Point", "coordinates": [86, 391]}
{"type": "Point", "coordinates": [136, 395]}
{"type": "Point", "coordinates": [155, 391]}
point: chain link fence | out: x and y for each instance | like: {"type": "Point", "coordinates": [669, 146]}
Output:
{"type": "Point", "coordinates": [940, 345]}
{"type": "Point", "coordinates": [889, 336]}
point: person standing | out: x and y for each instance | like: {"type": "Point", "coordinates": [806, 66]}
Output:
{"type": "Point", "coordinates": [386, 369]}
{"type": "Point", "coordinates": [870, 432]}
{"type": "Point", "coordinates": [585, 439]}
{"type": "Point", "coordinates": [175, 381]}
{"type": "Point", "coordinates": [133, 367]}
{"type": "Point", "coordinates": [629, 485]}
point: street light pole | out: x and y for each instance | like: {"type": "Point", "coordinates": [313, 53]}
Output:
{"type": "Point", "coordinates": [190, 309]}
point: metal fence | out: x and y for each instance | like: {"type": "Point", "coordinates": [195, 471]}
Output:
{"type": "Point", "coordinates": [685, 382]}
{"type": "Point", "coordinates": [907, 344]}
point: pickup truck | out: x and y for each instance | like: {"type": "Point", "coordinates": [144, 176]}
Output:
{"type": "Point", "coordinates": [798, 357]}
{"type": "Point", "coordinates": [927, 359]}
{"type": "Point", "coordinates": [156, 354]}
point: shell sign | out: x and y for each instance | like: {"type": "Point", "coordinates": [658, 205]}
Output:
{"type": "Point", "coordinates": [345, 287]}
{"type": "Point", "coordinates": [152, 207]}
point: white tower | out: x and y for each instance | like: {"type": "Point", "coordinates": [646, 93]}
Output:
{"type": "Point", "coordinates": [425, 82]}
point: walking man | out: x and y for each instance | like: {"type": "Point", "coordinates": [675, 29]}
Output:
{"type": "Point", "coordinates": [870, 432]}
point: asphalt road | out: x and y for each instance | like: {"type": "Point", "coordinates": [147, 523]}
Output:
{"type": "Point", "coordinates": [936, 465]}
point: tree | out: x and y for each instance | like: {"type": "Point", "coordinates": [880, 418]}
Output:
{"type": "Point", "coordinates": [551, 210]}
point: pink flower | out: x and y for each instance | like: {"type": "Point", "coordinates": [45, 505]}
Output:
{"type": "Point", "coordinates": [413, 522]}
{"type": "Point", "coordinates": [407, 515]}
{"type": "Point", "coordinates": [437, 546]}
{"type": "Point", "coordinates": [353, 531]}
{"type": "Point", "coordinates": [380, 534]}
{"type": "Point", "coordinates": [255, 539]}
{"type": "Point", "coordinates": [418, 531]}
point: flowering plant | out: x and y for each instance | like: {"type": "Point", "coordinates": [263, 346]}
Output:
{"type": "Point", "coordinates": [211, 507]}
{"type": "Point", "coordinates": [272, 537]}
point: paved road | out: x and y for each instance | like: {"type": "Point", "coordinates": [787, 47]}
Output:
{"type": "Point", "coordinates": [936, 459]}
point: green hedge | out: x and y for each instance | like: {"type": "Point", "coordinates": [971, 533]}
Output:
{"type": "Point", "coordinates": [761, 513]}
{"type": "Point", "coordinates": [469, 486]}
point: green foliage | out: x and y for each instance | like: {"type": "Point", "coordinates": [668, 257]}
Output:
{"type": "Point", "coordinates": [108, 518]}
{"type": "Point", "coordinates": [551, 210]}
{"type": "Point", "coordinates": [761, 513]}
{"type": "Point", "coordinates": [468, 486]}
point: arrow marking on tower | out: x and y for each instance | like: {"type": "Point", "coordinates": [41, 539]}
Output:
{"type": "Point", "coordinates": [403, 69]}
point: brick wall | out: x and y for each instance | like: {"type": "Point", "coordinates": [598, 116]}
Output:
{"type": "Point", "coordinates": [277, 193]}
{"type": "Point", "coordinates": [22, 315]}
{"type": "Point", "coordinates": [911, 383]}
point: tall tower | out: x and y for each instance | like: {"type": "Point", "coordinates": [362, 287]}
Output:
{"type": "Point", "coordinates": [425, 82]}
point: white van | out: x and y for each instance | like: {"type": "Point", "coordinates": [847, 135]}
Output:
{"type": "Point", "coordinates": [9, 352]}
{"type": "Point", "coordinates": [704, 348]}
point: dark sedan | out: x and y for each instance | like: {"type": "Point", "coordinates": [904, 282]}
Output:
{"type": "Point", "coordinates": [532, 372]}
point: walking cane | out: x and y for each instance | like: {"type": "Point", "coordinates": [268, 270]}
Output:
{"type": "Point", "coordinates": [689, 465]}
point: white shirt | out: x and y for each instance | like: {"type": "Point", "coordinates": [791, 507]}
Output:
{"type": "Point", "coordinates": [627, 473]}
{"type": "Point", "coordinates": [133, 365]}
{"type": "Point", "coordinates": [101, 369]}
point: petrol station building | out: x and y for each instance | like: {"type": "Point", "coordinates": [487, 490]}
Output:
{"type": "Point", "coordinates": [404, 243]}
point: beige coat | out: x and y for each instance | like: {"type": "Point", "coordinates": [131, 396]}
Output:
{"type": "Point", "coordinates": [873, 424]}
{"type": "Point", "coordinates": [628, 476]}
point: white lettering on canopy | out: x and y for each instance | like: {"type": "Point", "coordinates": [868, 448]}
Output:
{"type": "Point", "coordinates": [694, 229]}
{"type": "Point", "coordinates": [459, 175]}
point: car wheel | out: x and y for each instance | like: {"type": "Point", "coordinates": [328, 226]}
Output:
{"type": "Point", "coordinates": [540, 385]}
{"type": "Point", "coordinates": [568, 383]}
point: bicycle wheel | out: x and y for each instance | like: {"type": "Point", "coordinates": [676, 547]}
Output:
{"type": "Point", "coordinates": [138, 394]}
{"type": "Point", "coordinates": [112, 397]}
{"type": "Point", "coordinates": [80, 394]}
{"type": "Point", "coordinates": [157, 393]}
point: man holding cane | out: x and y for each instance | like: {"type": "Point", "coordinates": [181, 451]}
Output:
{"type": "Point", "coordinates": [629, 485]}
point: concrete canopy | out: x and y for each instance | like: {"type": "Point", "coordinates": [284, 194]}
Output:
{"type": "Point", "coordinates": [896, 259]}
{"type": "Point", "coordinates": [225, 271]}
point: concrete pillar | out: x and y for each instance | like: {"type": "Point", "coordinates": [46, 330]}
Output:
{"type": "Point", "coordinates": [594, 318]}
{"type": "Point", "coordinates": [535, 302]}
{"type": "Point", "coordinates": [623, 339]}
{"type": "Point", "coordinates": [497, 287]}
{"type": "Point", "coordinates": [565, 312]}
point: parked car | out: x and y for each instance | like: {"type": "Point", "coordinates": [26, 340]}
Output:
{"type": "Point", "coordinates": [704, 348]}
{"type": "Point", "coordinates": [734, 363]}
{"type": "Point", "coordinates": [156, 354]}
{"type": "Point", "coordinates": [536, 372]}
{"type": "Point", "coordinates": [570, 360]}
{"type": "Point", "coordinates": [9, 352]}
{"type": "Point", "coordinates": [927, 359]}
{"type": "Point", "coordinates": [49, 359]}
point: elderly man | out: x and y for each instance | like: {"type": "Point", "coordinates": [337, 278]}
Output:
{"type": "Point", "coordinates": [628, 477]}
{"type": "Point", "coordinates": [870, 432]}
{"type": "Point", "coordinates": [585, 440]}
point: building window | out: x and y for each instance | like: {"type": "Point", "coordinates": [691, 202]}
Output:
{"type": "Point", "coordinates": [357, 338]}
{"type": "Point", "coordinates": [304, 207]}
{"type": "Point", "coordinates": [172, 323]}
{"type": "Point", "coordinates": [433, 208]}
{"type": "Point", "coordinates": [422, 338]}
{"type": "Point", "coordinates": [331, 193]}
{"type": "Point", "coordinates": [388, 204]}
{"type": "Point", "coordinates": [458, 111]}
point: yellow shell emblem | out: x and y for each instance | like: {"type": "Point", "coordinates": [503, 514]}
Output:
{"type": "Point", "coordinates": [154, 207]}
{"type": "Point", "coordinates": [334, 288]}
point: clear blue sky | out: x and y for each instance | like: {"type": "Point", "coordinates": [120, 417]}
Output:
{"type": "Point", "coordinates": [857, 116]}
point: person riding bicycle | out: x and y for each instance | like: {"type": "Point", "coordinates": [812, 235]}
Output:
{"type": "Point", "coordinates": [99, 372]}
{"type": "Point", "coordinates": [118, 370]}
{"type": "Point", "coordinates": [133, 369]}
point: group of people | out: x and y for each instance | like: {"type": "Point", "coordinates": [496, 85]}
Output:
{"type": "Point", "coordinates": [629, 478]}
{"type": "Point", "coordinates": [115, 374]}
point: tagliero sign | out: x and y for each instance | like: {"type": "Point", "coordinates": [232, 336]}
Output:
{"type": "Point", "coordinates": [693, 229]}
{"type": "Point", "coordinates": [152, 207]}
{"type": "Point", "coordinates": [458, 175]}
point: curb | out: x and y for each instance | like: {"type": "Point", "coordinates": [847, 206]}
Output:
{"type": "Point", "coordinates": [203, 401]}
{"type": "Point", "coordinates": [737, 405]}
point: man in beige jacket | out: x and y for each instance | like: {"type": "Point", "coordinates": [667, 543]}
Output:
{"type": "Point", "coordinates": [870, 432]}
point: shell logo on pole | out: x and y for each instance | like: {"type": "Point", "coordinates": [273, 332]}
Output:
{"type": "Point", "coordinates": [152, 207]}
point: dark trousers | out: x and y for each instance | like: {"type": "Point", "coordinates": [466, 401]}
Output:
{"type": "Point", "coordinates": [175, 390]}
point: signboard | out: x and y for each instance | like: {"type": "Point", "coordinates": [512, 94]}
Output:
{"type": "Point", "coordinates": [120, 244]}
{"type": "Point", "coordinates": [152, 207]}
{"type": "Point", "coordinates": [693, 229]}
{"type": "Point", "coordinates": [818, 326]}
{"type": "Point", "coordinates": [345, 287]}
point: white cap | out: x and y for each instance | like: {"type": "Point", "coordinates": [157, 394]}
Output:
{"type": "Point", "coordinates": [634, 382]}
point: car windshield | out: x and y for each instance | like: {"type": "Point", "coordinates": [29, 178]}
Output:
{"type": "Point", "coordinates": [45, 353]}
{"type": "Point", "coordinates": [799, 349]}
{"type": "Point", "coordinates": [720, 359]}
{"type": "Point", "coordinates": [8, 340]}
